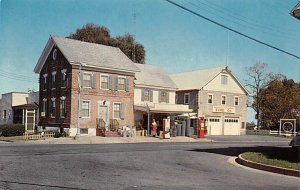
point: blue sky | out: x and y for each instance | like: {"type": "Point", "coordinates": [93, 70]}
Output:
{"type": "Point", "coordinates": [173, 38]}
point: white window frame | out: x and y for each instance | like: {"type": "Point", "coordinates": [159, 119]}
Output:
{"type": "Point", "coordinates": [222, 99]}
{"type": "Point", "coordinates": [63, 98]}
{"type": "Point", "coordinates": [119, 110]}
{"type": "Point", "coordinates": [91, 75]}
{"type": "Point", "coordinates": [122, 77]}
{"type": "Point", "coordinates": [212, 98]}
{"type": "Point", "coordinates": [89, 116]}
{"type": "Point", "coordinates": [104, 75]}
{"type": "Point", "coordinates": [63, 78]}
{"type": "Point", "coordinates": [224, 79]}
{"type": "Point", "coordinates": [44, 85]}
{"type": "Point", "coordinates": [186, 94]}
{"type": "Point", "coordinates": [238, 100]}
{"type": "Point", "coordinates": [53, 106]}
{"type": "Point", "coordinates": [44, 107]}
{"type": "Point", "coordinates": [149, 95]}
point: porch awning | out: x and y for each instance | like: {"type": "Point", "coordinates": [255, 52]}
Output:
{"type": "Point", "coordinates": [164, 108]}
{"type": "Point", "coordinates": [26, 106]}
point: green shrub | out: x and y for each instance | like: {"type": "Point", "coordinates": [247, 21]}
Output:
{"type": "Point", "coordinates": [12, 130]}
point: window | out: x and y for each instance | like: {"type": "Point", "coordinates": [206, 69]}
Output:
{"type": "Point", "coordinates": [52, 113]}
{"type": "Point", "coordinates": [210, 99]}
{"type": "Point", "coordinates": [104, 81]}
{"type": "Point", "coordinates": [236, 100]}
{"type": "Point", "coordinates": [85, 108]}
{"type": "Point", "coordinates": [63, 78]}
{"type": "Point", "coordinates": [186, 98]}
{"type": "Point", "coordinates": [44, 81]}
{"type": "Point", "coordinates": [224, 79]}
{"type": "Point", "coordinates": [147, 95]}
{"type": "Point", "coordinates": [87, 80]}
{"type": "Point", "coordinates": [63, 110]}
{"type": "Point", "coordinates": [4, 114]}
{"type": "Point", "coordinates": [54, 55]}
{"type": "Point", "coordinates": [84, 131]}
{"type": "Point", "coordinates": [223, 99]}
{"type": "Point", "coordinates": [117, 110]}
{"type": "Point", "coordinates": [53, 80]}
{"type": "Point", "coordinates": [44, 107]}
{"type": "Point", "coordinates": [121, 83]}
{"type": "Point", "coordinates": [164, 96]}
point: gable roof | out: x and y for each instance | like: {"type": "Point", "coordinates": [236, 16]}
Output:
{"type": "Point", "coordinates": [88, 54]}
{"type": "Point", "coordinates": [195, 80]}
{"type": "Point", "coordinates": [153, 76]}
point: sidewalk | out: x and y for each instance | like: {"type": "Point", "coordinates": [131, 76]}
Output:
{"type": "Point", "coordinates": [112, 140]}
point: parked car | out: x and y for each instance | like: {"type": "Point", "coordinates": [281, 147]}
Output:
{"type": "Point", "coordinates": [295, 142]}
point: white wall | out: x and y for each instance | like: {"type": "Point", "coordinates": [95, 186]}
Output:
{"type": "Point", "coordinates": [231, 86]}
{"type": "Point", "coordinates": [138, 96]}
{"type": "Point", "coordinates": [19, 99]}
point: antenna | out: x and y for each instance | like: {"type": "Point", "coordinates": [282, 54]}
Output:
{"type": "Point", "coordinates": [227, 56]}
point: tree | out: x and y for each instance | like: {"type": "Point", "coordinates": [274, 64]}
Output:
{"type": "Point", "coordinates": [101, 35]}
{"type": "Point", "coordinates": [258, 80]}
{"type": "Point", "coordinates": [281, 99]}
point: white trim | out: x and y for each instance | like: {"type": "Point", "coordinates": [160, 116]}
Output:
{"type": "Point", "coordinates": [63, 71]}
{"type": "Point", "coordinates": [222, 100]}
{"type": "Point", "coordinates": [238, 98]}
{"type": "Point", "coordinates": [90, 103]}
{"type": "Point", "coordinates": [212, 98]}
{"type": "Point", "coordinates": [188, 98]}
{"type": "Point", "coordinates": [114, 110]}
{"type": "Point", "coordinates": [107, 75]}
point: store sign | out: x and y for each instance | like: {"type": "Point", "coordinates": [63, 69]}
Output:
{"type": "Point", "coordinates": [223, 109]}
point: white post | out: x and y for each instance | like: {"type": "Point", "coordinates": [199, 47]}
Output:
{"type": "Point", "coordinates": [25, 120]}
{"type": "Point", "coordinates": [78, 101]}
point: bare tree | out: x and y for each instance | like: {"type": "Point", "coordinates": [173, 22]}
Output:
{"type": "Point", "coordinates": [257, 81]}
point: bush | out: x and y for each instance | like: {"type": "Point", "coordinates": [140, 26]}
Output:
{"type": "Point", "coordinates": [12, 130]}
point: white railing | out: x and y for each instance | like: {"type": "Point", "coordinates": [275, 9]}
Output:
{"type": "Point", "coordinates": [268, 132]}
{"type": "Point", "coordinates": [42, 135]}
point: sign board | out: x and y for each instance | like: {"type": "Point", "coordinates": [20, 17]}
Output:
{"type": "Point", "coordinates": [223, 109]}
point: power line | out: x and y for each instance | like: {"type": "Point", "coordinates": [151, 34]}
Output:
{"type": "Point", "coordinates": [233, 30]}
{"type": "Point", "coordinates": [248, 24]}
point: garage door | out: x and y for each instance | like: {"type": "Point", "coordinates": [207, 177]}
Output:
{"type": "Point", "coordinates": [214, 125]}
{"type": "Point", "coordinates": [232, 126]}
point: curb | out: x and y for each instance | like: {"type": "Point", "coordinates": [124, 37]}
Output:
{"type": "Point", "coordinates": [264, 167]}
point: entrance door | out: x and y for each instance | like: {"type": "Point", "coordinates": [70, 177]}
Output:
{"type": "Point", "coordinates": [103, 114]}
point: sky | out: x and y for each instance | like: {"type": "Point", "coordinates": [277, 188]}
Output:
{"type": "Point", "coordinates": [174, 39]}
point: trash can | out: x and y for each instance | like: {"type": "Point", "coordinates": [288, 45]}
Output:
{"type": "Point", "coordinates": [183, 127]}
{"type": "Point", "coordinates": [178, 129]}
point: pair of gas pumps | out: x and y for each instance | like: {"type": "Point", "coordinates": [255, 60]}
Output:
{"type": "Point", "coordinates": [166, 128]}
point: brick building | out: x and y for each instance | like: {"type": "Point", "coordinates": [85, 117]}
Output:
{"type": "Point", "coordinates": [102, 75]}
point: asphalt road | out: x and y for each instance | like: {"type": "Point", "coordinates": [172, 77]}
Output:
{"type": "Point", "coordinates": [138, 166]}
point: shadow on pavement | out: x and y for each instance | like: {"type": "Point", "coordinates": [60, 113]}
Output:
{"type": "Point", "coordinates": [280, 153]}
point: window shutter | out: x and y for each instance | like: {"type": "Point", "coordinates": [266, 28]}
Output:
{"type": "Point", "coordinates": [151, 95]}
{"type": "Point", "coordinates": [81, 79]}
{"type": "Point", "coordinates": [159, 96]}
{"type": "Point", "coordinates": [110, 83]}
{"type": "Point", "coordinates": [93, 81]}
{"type": "Point", "coordinates": [126, 85]}
{"type": "Point", "coordinates": [122, 111]}
{"type": "Point", "coordinates": [116, 84]}
{"type": "Point", "coordinates": [167, 94]}
{"type": "Point", "coordinates": [143, 95]}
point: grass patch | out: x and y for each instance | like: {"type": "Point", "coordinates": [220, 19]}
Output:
{"type": "Point", "coordinates": [285, 158]}
{"type": "Point", "coordinates": [11, 139]}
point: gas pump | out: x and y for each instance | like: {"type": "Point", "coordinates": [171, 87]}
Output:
{"type": "Point", "coordinates": [166, 129]}
{"type": "Point", "coordinates": [201, 127]}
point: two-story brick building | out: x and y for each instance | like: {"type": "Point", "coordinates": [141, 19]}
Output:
{"type": "Point", "coordinates": [217, 95]}
{"type": "Point", "coordinates": [83, 83]}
